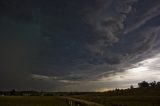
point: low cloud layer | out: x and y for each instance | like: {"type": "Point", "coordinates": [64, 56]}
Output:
{"type": "Point", "coordinates": [61, 44]}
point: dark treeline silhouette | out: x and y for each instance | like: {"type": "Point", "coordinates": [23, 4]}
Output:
{"type": "Point", "coordinates": [144, 88]}
{"type": "Point", "coordinates": [14, 92]}
{"type": "Point", "coordinates": [145, 84]}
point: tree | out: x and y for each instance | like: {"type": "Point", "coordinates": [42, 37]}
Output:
{"type": "Point", "coordinates": [131, 87]}
{"type": "Point", "coordinates": [13, 92]}
{"type": "Point", "coordinates": [153, 84]}
{"type": "Point", "coordinates": [158, 84]}
{"type": "Point", "coordinates": [143, 84]}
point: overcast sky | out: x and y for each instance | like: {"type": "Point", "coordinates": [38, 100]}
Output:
{"type": "Point", "coordinates": [78, 45]}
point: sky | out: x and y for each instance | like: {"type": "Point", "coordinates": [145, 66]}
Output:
{"type": "Point", "coordinates": [78, 45]}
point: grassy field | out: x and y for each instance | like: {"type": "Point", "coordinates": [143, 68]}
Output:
{"type": "Point", "coordinates": [32, 101]}
{"type": "Point", "coordinates": [58, 101]}
{"type": "Point", "coordinates": [128, 97]}
{"type": "Point", "coordinates": [123, 100]}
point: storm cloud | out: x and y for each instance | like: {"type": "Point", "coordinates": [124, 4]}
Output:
{"type": "Point", "coordinates": [63, 43]}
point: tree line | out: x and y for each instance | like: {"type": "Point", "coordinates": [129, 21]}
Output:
{"type": "Point", "coordinates": [145, 84]}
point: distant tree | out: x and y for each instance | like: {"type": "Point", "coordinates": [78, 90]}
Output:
{"type": "Point", "coordinates": [117, 89]}
{"type": "Point", "coordinates": [13, 92]}
{"type": "Point", "coordinates": [158, 84]}
{"type": "Point", "coordinates": [143, 84]}
{"type": "Point", "coordinates": [131, 87]}
{"type": "Point", "coordinates": [153, 84]}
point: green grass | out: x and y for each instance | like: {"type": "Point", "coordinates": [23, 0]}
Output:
{"type": "Point", "coordinates": [123, 100]}
{"type": "Point", "coordinates": [58, 101]}
{"type": "Point", "coordinates": [31, 101]}
{"type": "Point", "coordinates": [134, 100]}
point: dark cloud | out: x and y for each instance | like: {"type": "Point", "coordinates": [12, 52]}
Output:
{"type": "Point", "coordinates": [146, 16]}
{"type": "Point", "coordinates": [111, 36]}
{"type": "Point", "coordinates": [70, 42]}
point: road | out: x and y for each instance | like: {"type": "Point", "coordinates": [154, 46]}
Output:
{"type": "Point", "coordinates": [78, 102]}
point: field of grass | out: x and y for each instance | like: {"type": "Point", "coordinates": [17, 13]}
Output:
{"type": "Point", "coordinates": [138, 99]}
{"type": "Point", "coordinates": [58, 101]}
{"type": "Point", "coordinates": [126, 97]}
{"type": "Point", "coordinates": [32, 101]}
{"type": "Point", "coordinates": [123, 100]}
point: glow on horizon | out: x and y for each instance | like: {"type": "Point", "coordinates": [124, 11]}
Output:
{"type": "Point", "coordinates": [148, 70]}
{"type": "Point", "coordinates": [102, 90]}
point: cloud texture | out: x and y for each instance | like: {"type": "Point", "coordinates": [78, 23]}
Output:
{"type": "Point", "coordinates": [62, 43]}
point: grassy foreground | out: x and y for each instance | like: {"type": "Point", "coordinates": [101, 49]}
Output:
{"type": "Point", "coordinates": [32, 101]}
{"type": "Point", "coordinates": [145, 96]}
{"type": "Point", "coordinates": [123, 100]}
{"type": "Point", "coordinates": [59, 101]}
{"type": "Point", "coordinates": [127, 97]}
